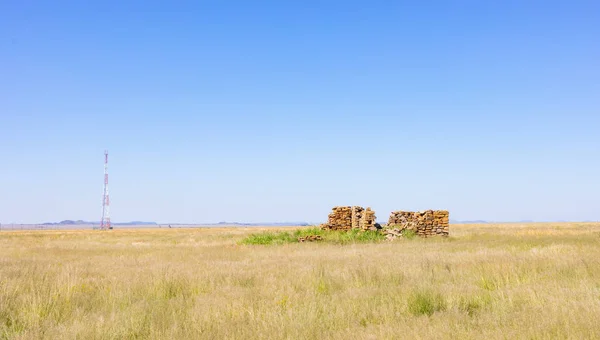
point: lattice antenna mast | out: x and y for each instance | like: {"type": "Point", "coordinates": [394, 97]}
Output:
{"type": "Point", "coordinates": [105, 222]}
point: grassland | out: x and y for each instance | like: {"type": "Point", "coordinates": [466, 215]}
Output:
{"type": "Point", "coordinates": [533, 281]}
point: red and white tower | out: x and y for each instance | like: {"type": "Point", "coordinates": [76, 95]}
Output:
{"type": "Point", "coordinates": [105, 222]}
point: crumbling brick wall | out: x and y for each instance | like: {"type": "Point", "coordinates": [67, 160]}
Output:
{"type": "Point", "coordinates": [423, 223]}
{"type": "Point", "coordinates": [350, 217]}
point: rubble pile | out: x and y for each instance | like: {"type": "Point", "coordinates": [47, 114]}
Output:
{"type": "Point", "coordinates": [310, 238]}
{"type": "Point", "coordinates": [392, 233]}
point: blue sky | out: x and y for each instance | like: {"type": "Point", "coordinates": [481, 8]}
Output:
{"type": "Point", "coordinates": [277, 110]}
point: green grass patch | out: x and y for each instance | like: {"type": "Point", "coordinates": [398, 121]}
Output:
{"type": "Point", "coordinates": [356, 236]}
{"type": "Point", "coordinates": [266, 238]}
{"type": "Point", "coordinates": [329, 236]}
{"type": "Point", "coordinates": [312, 231]}
{"type": "Point", "coordinates": [409, 234]}
{"type": "Point", "coordinates": [488, 283]}
{"type": "Point", "coordinates": [426, 303]}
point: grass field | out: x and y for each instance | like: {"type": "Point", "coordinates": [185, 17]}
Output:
{"type": "Point", "coordinates": [505, 281]}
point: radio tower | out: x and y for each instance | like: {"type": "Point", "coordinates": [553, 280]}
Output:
{"type": "Point", "coordinates": [105, 223]}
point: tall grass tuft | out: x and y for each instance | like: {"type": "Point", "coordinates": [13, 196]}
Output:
{"type": "Point", "coordinates": [409, 234]}
{"type": "Point", "coordinates": [473, 304]}
{"type": "Point", "coordinates": [426, 302]}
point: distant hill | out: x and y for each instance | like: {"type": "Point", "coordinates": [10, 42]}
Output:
{"type": "Point", "coordinates": [521, 221]}
{"type": "Point", "coordinates": [134, 223]}
{"type": "Point", "coordinates": [266, 224]}
{"type": "Point", "coordinates": [468, 222]}
{"type": "Point", "coordinates": [262, 224]}
{"type": "Point", "coordinates": [66, 222]}
{"type": "Point", "coordinates": [80, 222]}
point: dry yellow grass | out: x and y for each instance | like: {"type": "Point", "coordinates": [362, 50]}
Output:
{"type": "Point", "coordinates": [500, 281]}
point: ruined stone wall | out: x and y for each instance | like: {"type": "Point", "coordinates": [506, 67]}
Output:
{"type": "Point", "coordinates": [423, 223]}
{"type": "Point", "coordinates": [350, 217]}
{"type": "Point", "coordinates": [363, 219]}
{"type": "Point", "coordinates": [339, 219]}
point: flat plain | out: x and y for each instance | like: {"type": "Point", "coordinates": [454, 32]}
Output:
{"type": "Point", "coordinates": [493, 281]}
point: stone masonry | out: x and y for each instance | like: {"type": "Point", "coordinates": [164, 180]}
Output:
{"type": "Point", "coordinates": [350, 217]}
{"type": "Point", "coordinates": [424, 223]}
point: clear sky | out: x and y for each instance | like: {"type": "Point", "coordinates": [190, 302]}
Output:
{"type": "Point", "coordinates": [278, 110]}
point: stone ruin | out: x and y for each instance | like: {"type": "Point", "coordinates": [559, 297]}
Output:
{"type": "Point", "coordinates": [351, 217]}
{"type": "Point", "coordinates": [424, 223]}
